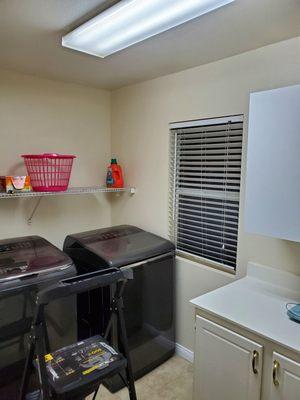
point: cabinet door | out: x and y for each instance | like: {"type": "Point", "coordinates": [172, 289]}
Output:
{"type": "Point", "coordinates": [286, 379]}
{"type": "Point", "coordinates": [273, 164]}
{"type": "Point", "coordinates": [228, 366]}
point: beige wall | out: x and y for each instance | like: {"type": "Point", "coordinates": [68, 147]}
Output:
{"type": "Point", "coordinates": [140, 117]}
{"type": "Point", "coordinates": [39, 115]}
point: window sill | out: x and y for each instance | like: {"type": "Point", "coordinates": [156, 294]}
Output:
{"type": "Point", "coordinates": [208, 265]}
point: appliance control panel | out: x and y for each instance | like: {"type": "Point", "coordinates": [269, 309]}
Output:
{"type": "Point", "coordinates": [15, 246]}
{"type": "Point", "coordinates": [115, 234]}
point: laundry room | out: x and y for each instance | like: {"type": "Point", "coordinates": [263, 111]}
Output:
{"type": "Point", "coordinates": [149, 200]}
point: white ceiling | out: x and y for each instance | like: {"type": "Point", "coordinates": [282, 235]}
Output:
{"type": "Point", "coordinates": [31, 31]}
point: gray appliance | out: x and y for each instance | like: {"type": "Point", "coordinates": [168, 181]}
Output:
{"type": "Point", "coordinates": [148, 298]}
{"type": "Point", "coordinates": [28, 264]}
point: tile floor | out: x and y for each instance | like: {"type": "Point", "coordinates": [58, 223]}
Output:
{"type": "Point", "coordinates": [171, 381]}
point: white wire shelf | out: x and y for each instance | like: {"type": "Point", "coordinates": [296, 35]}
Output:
{"type": "Point", "coordinates": [70, 191]}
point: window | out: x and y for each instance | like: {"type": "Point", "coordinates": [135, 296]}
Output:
{"type": "Point", "coordinates": [205, 173]}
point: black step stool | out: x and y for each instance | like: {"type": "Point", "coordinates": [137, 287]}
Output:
{"type": "Point", "coordinates": [78, 370]}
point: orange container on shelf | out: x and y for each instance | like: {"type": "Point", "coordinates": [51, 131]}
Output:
{"type": "Point", "coordinates": [15, 184]}
{"type": "Point", "coordinates": [114, 177]}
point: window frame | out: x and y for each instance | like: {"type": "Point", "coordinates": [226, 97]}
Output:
{"type": "Point", "coordinates": [174, 128]}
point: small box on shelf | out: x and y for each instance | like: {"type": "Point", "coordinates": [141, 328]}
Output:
{"type": "Point", "coordinates": [15, 184]}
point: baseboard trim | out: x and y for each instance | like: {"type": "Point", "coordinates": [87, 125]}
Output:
{"type": "Point", "coordinates": [183, 352]}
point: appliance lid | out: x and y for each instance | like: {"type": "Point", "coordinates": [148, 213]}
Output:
{"type": "Point", "coordinates": [29, 255]}
{"type": "Point", "coordinates": [121, 245]}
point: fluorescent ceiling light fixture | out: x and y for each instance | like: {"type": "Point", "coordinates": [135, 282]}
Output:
{"type": "Point", "coordinates": [132, 21]}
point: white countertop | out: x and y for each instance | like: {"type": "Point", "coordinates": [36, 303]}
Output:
{"type": "Point", "coordinates": [258, 304]}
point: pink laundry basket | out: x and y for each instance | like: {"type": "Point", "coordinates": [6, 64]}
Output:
{"type": "Point", "coordinates": [49, 172]}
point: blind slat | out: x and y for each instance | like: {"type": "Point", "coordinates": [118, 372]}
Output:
{"type": "Point", "coordinates": [210, 146]}
{"type": "Point", "coordinates": [206, 239]}
{"type": "Point", "coordinates": [209, 208]}
{"type": "Point", "coordinates": [208, 236]}
{"type": "Point", "coordinates": [210, 157]}
{"type": "Point", "coordinates": [231, 139]}
{"type": "Point", "coordinates": [208, 229]}
{"type": "Point", "coordinates": [208, 202]}
{"type": "Point", "coordinates": [212, 174]}
{"type": "Point", "coordinates": [202, 193]}
{"type": "Point", "coordinates": [207, 170]}
{"type": "Point", "coordinates": [208, 164]}
{"type": "Point", "coordinates": [201, 211]}
{"type": "Point", "coordinates": [221, 182]}
{"type": "Point", "coordinates": [210, 224]}
{"type": "Point", "coordinates": [209, 220]}
{"type": "Point", "coordinates": [208, 186]}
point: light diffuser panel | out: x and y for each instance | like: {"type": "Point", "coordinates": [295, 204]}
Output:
{"type": "Point", "coordinates": [132, 21]}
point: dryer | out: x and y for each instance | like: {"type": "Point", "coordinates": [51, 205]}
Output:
{"type": "Point", "coordinates": [28, 264]}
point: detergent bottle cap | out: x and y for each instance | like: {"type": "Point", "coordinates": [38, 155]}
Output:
{"type": "Point", "coordinates": [114, 161]}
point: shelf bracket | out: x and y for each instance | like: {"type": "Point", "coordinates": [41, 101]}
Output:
{"type": "Point", "coordinates": [29, 220]}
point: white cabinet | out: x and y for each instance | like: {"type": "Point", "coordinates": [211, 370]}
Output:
{"type": "Point", "coordinates": [246, 347]}
{"type": "Point", "coordinates": [228, 366]}
{"type": "Point", "coordinates": [285, 382]}
{"type": "Point", "coordinates": [273, 164]}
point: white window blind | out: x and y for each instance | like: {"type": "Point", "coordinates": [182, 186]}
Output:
{"type": "Point", "coordinates": [205, 173]}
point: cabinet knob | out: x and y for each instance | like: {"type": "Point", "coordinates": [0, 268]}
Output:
{"type": "Point", "coordinates": [276, 367]}
{"type": "Point", "coordinates": [255, 357]}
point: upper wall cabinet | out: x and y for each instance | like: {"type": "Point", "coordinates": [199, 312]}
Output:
{"type": "Point", "coordinates": [273, 164]}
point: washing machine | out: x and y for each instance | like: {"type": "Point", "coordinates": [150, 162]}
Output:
{"type": "Point", "coordinates": [28, 264]}
{"type": "Point", "coordinates": [148, 298]}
